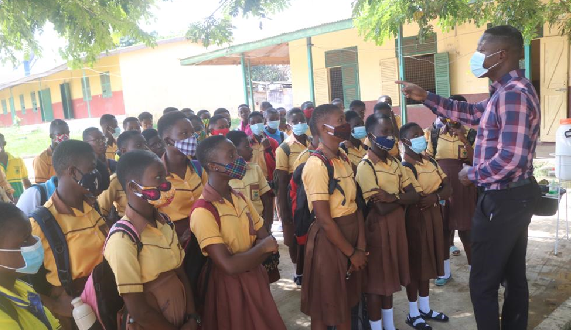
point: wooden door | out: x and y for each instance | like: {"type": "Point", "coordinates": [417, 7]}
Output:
{"type": "Point", "coordinates": [554, 68]}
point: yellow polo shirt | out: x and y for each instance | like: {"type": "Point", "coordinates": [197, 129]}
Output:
{"type": "Point", "coordinates": [15, 171]}
{"type": "Point", "coordinates": [20, 298]}
{"type": "Point", "coordinates": [449, 146]}
{"type": "Point", "coordinates": [187, 190]}
{"type": "Point", "coordinates": [43, 169]}
{"type": "Point", "coordinates": [429, 176]}
{"type": "Point", "coordinates": [253, 186]}
{"type": "Point", "coordinates": [285, 163]}
{"type": "Point", "coordinates": [258, 157]}
{"type": "Point", "coordinates": [239, 223]}
{"type": "Point", "coordinates": [161, 253]}
{"type": "Point", "coordinates": [111, 151]}
{"type": "Point", "coordinates": [302, 158]}
{"type": "Point", "coordinates": [85, 234]}
{"type": "Point", "coordinates": [390, 176]}
{"type": "Point", "coordinates": [355, 154]}
{"type": "Point", "coordinates": [114, 196]}
{"type": "Point", "coordinates": [316, 183]}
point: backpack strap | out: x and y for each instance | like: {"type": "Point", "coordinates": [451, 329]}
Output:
{"type": "Point", "coordinates": [7, 307]}
{"type": "Point", "coordinates": [434, 136]}
{"type": "Point", "coordinates": [344, 147]}
{"type": "Point", "coordinates": [197, 167]}
{"type": "Point", "coordinates": [56, 239]}
{"type": "Point", "coordinates": [128, 228]}
{"type": "Point", "coordinates": [202, 203]}
{"type": "Point", "coordinates": [285, 147]}
{"type": "Point", "coordinates": [282, 136]}
{"type": "Point", "coordinates": [368, 161]}
{"type": "Point", "coordinates": [41, 187]}
{"type": "Point", "coordinates": [333, 183]}
{"type": "Point", "coordinates": [412, 168]}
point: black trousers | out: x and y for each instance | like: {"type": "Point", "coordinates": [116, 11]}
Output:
{"type": "Point", "coordinates": [499, 246]}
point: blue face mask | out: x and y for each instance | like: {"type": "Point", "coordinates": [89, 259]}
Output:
{"type": "Point", "coordinates": [386, 143]}
{"type": "Point", "coordinates": [477, 64]}
{"type": "Point", "coordinates": [33, 256]}
{"type": "Point", "coordinates": [359, 132]}
{"type": "Point", "coordinates": [419, 144]}
{"type": "Point", "coordinates": [299, 129]}
{"type": "Point", "coordinates": [274, 124]}
{"type": "Point", "coordinates": [257, 129]}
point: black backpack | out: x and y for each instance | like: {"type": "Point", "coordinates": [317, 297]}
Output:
{"type": "Point", "coordinates": [435, 134]}
{"type": "Point", "coordinates": [363, 205]}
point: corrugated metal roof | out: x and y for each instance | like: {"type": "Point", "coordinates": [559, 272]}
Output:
{"type": "Point", "coordinates": [33, 77]}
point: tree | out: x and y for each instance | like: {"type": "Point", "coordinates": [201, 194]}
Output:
{"type": "Point", "coordinates": [378, 20]}
{"type": "Point", "coordinates": [271, 73]}
{"type": "Point", "coordinates": [89, 27]}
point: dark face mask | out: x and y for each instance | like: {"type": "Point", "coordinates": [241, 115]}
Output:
{"type": "Point", "coordinates": [342, 131]}
{"type": "Point", "coordinates": [90, 181]}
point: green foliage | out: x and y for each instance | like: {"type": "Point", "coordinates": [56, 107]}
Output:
{"type": "Point", "coordinates": [271, 73]}
{"type": "Point", "coordinates": [378, 20]}
{"type": "Point", "coordinates": [88, 26]}
{"type": "Point", "coordinates": [217, 29]}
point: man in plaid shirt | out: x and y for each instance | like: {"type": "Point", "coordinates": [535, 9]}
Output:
{"type": "Point", "coordinates": [503, 169]}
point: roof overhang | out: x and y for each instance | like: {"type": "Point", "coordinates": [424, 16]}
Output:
{"type": "Point", "coordinates": [272, 50]}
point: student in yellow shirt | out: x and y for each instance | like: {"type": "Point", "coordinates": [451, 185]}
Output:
{"type": "Point", "coordinates": [186, 176]}
{"type": "Point", "coordinates": [21, 254]}
{"type": "Point", "coordinates": [385, 109]}
{"type": "Point", "coordinates": [111, 130]}
{"type": "Point", "coordinates": [284, 126]}
{"type": "Point", "coordinates": [72, 209]}
{"type": "Point", "coordinates": [353, 147]}
{"type": "Point", "coordinates": [15, 170]}
{"type": "Point", "coordinates": [131, 124]}
{"type": "Point", "coordinates": [335, 251]}
{"type": "Point", "coordinates": [286, 154]}
{"type": "Point", "coordinates": [423, 226]}
{"type": "Point", "coordinates": [218, 125]}
{"type": "Point", "coordinates": [254, 184]}
{"type": "Point", "coordinates": [231, 233]}
{"type": "Point", "coordinates": [43, 168]}
{"type": "Point", "coordinates": [96, 140]}
{"type": "Point", "coordinates": [387, 189]}
{"type": "Point", "coordinates": [113, 201]}
{"type": "Point", "coordinates": [154, 142]}
{"type": "Point", "coordinates": [149, 277]}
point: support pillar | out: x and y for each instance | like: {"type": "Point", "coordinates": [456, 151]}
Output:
{"type": "Point", "coordinates": [401, 77]}
{"type": "Point", "coordinates": [310, 70]}
{"type": "Point", "coordinates": [244, 79]}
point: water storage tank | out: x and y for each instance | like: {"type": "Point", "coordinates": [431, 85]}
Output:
{"type": "Point", "coordinates": [563, 150]}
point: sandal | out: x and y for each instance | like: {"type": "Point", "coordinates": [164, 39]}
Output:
{"type": "Point", "coordinates": [419, 326]}
{"type": "Point", "coordinates": [436, 316]}
{"type": "Point", "coordinates": [454, 251]}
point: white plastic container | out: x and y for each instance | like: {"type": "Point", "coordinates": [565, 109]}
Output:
{"type": "Point", "coordinates": [83, 314]}
{"type": "Point", "coordinates": [563, 150]}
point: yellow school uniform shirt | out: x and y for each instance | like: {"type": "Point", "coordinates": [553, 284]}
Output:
{"type": "Point", "coordinates": [239, 222]}
{"type": "Point", "coordinates": [429, 176]}
{"type": "Point", "coordinates": [114, 196]}
{"type": "Point", "coordinates": [302, 158]}
{"type": "Point", "coordinates": [253, 185]}
{"type": "Point", "coordinates": [449, 146]}
{"type": "Point", "coordinates": [43, 169]}
{"type": "Point", "coordinates": [355, 154]}
{"type": "Point", "coordinates": [187, 190]}
{"type": "Point", "coordinates": [85, 234]}
{"type": "Point", "coordinates": [285, 162]}
{"type": "Point", "coordinates": [316, 182]}
{"type": "Point", "coordinates": [15, 171]}
{"type": "Point", "coordinates": [20, 298]}
{"type": "Point", "coordinates": [161, 253]}
{"type": "Point", "coordinates": [390, 176]}
{"type": "Point", "coordinates": [111, 151]}
{"type": "Point", "coordinates": [259, 156]}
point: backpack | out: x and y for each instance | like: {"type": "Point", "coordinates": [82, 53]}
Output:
{"type": "Point", "coordinates": [362, 204]}
{"type": "Point", "coordinates": [435, 134]}
{"type": "Point", "coordinates": [45, 192]}
{"type": "Point", "coordinates": [302, 217]}
{"type": "Point", "coordinates": [275, 184]}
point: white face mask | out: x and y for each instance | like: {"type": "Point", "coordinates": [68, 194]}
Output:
{"type": "Point", "coordinates": [477, 63]}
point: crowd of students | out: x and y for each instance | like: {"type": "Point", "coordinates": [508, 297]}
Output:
{"type": "Point", "coordinates": [366, 208]}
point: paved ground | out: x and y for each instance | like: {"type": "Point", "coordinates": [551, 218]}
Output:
{"type": "Point", "coordinates": [549, 283]}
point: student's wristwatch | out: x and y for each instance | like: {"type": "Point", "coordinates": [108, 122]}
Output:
{"type": "Point", "coordinates": [190, 316]}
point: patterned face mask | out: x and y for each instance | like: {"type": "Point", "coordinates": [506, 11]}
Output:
{"type": "Point", "coordinates": [235, 170]}
{"type": "Point", "coordinates": [59, 138]}
{"type": "Point", "coordinates": [187, 146]}
{"type": "Point", "coordinates": [157, 196]}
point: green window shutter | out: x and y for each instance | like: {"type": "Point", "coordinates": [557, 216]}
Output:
{"type": "Point", "coordinates": [106, 91]}
{"type": "Point", "coordinates": [417, 46]}
{"type": "Point", "coordinates": [86, 89]}
{"type": "Point", "coordinates": [5, 107]}
{"type": "Point", "coordinates": [34, 101]}
{"type": "Point", "coordinates": [442, 74]}
{"type": "Point", "coordinates": [22, 104]}
{"type": "Point", "coordinates": [350, 78]}
{"type": "Point", "coordinates": [340, 57]}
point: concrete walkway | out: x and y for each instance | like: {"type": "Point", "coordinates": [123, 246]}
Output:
{"type": "Point", "coordinates": [549, 279]}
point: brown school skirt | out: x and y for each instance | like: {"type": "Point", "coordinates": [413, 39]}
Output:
{"type": "Point", "coordinates": [242, 301]}
{"type": "Point", "coordinates": [459, 209]}
{"type": "Point", "coordinates": [325, 294]}
{"type": "Point", "coordinates": [425, 238]}
{"type": "Point", "coordinates": [388, 268]}
{"type": "Point", "coordinates": [165, 295]}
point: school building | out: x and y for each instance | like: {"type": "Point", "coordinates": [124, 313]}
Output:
{"type": "Point", "coordinates": [125, 81]}
{"type": "Point", "coordinates": [332, 60]}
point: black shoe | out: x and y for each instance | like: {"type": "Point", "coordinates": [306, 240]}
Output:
{"type": "Point", "coordinates": [436, 316]}
{"type": "Point", "coordinates": [298, 279]}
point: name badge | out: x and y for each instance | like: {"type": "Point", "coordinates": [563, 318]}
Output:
{"type": "Point", "coordinates": [255, 192]}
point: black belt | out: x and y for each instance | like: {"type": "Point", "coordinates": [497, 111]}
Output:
{"type": "Point", "coordinates": [511, 185]}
